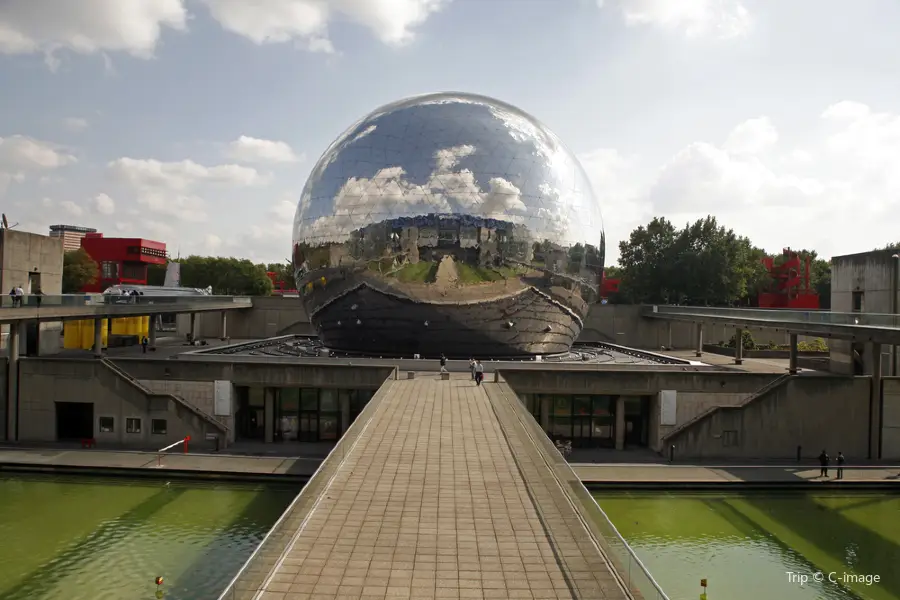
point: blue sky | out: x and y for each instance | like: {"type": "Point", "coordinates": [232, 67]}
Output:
{"type": "Point", "coordinates": [196, 122]}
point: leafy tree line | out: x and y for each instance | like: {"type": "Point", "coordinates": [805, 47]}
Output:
{"type": "Point", "coordinates": [226, 276]}
{"type": "Point", "coordinates": [702, 263]}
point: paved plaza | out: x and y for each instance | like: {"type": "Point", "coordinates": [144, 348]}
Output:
{"type": "Point", "coordinates": [430, 504]}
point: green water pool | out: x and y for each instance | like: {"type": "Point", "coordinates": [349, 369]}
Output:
{"type": "Point", "coordinates": [108, 539]}
{"type": "Point", "coordinates": [748, 545]}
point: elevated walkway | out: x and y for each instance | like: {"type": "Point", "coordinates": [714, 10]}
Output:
{"type": "Point", "coordinates": [437, 491]}
{"type": "Point", "coordinates": [858, 327]}
{"type": "Point", "coordinates": [97, 306]}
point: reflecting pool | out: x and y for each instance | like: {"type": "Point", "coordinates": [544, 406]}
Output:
{"type": "Point", "coordinates": [108, 539]}
{"type": "Point", "coordinates": [764, 545]}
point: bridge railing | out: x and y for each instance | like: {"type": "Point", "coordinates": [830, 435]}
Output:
{"type": "Point", "coordinates": [79, 300]}
{"type": "Point", "coordinates": [255, 574]}
{"type": "Point", "coordinates": [822, 317]}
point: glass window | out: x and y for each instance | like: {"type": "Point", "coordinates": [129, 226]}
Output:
{"type": "Point", "coordinates": [158, 426]}
{"type": "Point", "coordinates": [132, 425]}
{"type": "Point", "coordinates": [562, 406]}
{"type": "Point", "coordinates": [583, 405]}
{"type": "Point", "coordinates": [603, 406]}
{"type": "Point", "coordinates": [328, 401]}
{"type": "Point", "coordinates": [290, 399]}
{"type": "Point", "coordinates": [107, 424]}
{"type": "Point", "coordinates": [309, 399]}
{"type": "Point", "coordinates": [561, 427]}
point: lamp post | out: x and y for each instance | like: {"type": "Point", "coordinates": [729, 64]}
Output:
{"type": "Point", "coordinates": [895, 283]}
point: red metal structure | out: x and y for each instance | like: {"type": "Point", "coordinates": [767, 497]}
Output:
{"type": "Point", "coordinates": [790, 283]}
{"type": "Point", "coordinates": [609, 286]}
{"type": "Point", "coordinates": [121, 261]}
{"type": "Point", "coordinates": [278, 286]}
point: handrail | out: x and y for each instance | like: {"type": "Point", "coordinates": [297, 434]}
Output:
{"type": "Point", "coordinates": [251, 577]}
{"type": "Point", "coordinates": [161, 451]}
{"type": "Point", "coordinates": [583, 503]}
{"type": "Point", "coordinates": [771, 385]}
{"type": "Point", "coordinates": [777, 315]}
{"type": "Point", "coordinates": [180, 401]}
{"type": "Point", "coordinates": [39, 301]}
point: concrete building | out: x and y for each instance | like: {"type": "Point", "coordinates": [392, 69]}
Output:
{"type": "Point", "coordinates": [71, 235]}
{"type": "Point", "coordinates": [34, 262]}
{"type": "Point", "coordinates": [865, 282]}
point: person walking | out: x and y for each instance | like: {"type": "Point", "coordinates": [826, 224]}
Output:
{"type": "Point", "coordinates": [840, 465]}
{"type": "Point", "coordinates": [472, 368]}
{"type": "Point", "coordinates": [443, 363]}
{"type": "Point", "coordinates": [144, 343]}
{"type": "Point", "coordinates": [823, 464]}
{"type": "Point", "coordinates": [479, 372]}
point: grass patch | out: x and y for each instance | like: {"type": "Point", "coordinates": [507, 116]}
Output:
{"type": "Point", "coordinates": [469, 274]}
{"type": "Point", "coordinates": [420, 272]}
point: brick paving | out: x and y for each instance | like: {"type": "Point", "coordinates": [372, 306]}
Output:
{"type": "Point", "coordinates": [431, 504]}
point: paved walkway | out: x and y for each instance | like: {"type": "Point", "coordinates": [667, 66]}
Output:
{"type": "Point", "coordinates": [430, 504]}
{"type": "Point", "coordinates": [643, 473]}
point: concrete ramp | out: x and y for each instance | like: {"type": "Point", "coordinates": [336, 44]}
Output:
{"type": "Point", "coordinates": [429, 501]}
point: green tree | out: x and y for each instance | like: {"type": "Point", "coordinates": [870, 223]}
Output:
{"type": "Point", "coordinates": [226, 276]}
{"type": "Point", "coordinates": [79, 270]}
{"type": "Point", "coordinates": [156, 274]}
{"type": "Point", "coordinates": [283, 272]}
{"type": "Point", "coordinates": [703, 263]}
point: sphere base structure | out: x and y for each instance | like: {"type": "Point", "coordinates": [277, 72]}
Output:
{"type": "Point", "coordinates": [370, 321]}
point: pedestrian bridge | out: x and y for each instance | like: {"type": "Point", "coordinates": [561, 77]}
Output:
{"type": "Point", "coordinates": [68, 307]}
{"type": "Point", "coordinates": [443, 489]}
{"type": "Point", "coordinates": [854, 326]}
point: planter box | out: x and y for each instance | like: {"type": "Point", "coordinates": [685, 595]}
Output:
{"type": "Point", "coordinates": [725, 351]}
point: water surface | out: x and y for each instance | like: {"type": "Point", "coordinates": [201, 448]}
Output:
{"type": "Point", "coordinates": [108, 539]}
{"type": "Point", "coordinates": [747, 544]}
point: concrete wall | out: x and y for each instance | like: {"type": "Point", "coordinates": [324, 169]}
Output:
{"type": "Point", "coordinates": [870, 273]}
{"type": "Point", "coordinates": [43, 382]}
{"type": "Point", "coordinates": [890, 440]}
{"type": "Point", "coordinates": [4, 388]}
{"type": "Point", "coordinates": [201, 394]}
{"type": "Point", "coordinates": [270, 316]}
{"type": "Point", "coordinates": [812, 412]}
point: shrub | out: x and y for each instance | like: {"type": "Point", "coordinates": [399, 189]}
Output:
{"type": "Point", "coordinates": [817, 345]}
{"type": "Point", "coordinates": [747, 341]}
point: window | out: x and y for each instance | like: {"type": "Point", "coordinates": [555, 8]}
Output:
{"type": "Point", "coordinates": [109, 270]}
{"type": "Point", "coordinates": [730, 438]}
{"type": "Point", "coordinates": [858, 301]}
{"type": "Point", "coordinates": [132, 425]}
{"type": "Point", "coordinates": [158, 426]}
{"type": "Point", "coordinates": [107, 424]}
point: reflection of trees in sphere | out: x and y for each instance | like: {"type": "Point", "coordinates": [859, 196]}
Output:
{"type": "Point", "coordinates": [448, 223]}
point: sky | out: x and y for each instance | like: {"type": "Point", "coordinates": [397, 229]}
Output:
{"type": "Point", "coordinates": [197, 122]}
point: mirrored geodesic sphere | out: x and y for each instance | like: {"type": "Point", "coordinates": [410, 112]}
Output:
{"type": "Point", "coordinates": [448, 223]}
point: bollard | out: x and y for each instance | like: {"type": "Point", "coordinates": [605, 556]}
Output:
{"type": "Point", "coordinates": [799, 452]}
{"type": "Point", "coordinates": [672, 453]}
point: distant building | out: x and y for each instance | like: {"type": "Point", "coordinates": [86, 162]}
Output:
{"type": "Point", "coordinates": [122, 261]}
{"type": "Point", "coordinates": [71, 235]}
{"type": "Point", "coordinates": [861, 282]}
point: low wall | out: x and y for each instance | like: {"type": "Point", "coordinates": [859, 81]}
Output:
{"type": "Point", "coordinates": [200, 394]}
{"type": "Point", "coordinates": [890, 437]}
{"type": "Point", "coordinates": [270, 316]}
{"type": "Point", "coordinates": [783, 354]}
{"type": "Point", "coordinates": [814, 412]}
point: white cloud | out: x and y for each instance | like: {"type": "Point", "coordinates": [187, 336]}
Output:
{"type": "Point", "coordinates": [306, 21]}
{"type": "Point", "coordinates": [71, 208]}
{"type": "Point", "coordinates": [18, 152]}
{"type": "Point", "coordinates": [172, 189]}
{"type": "Point", "coordinates": [103, 204]}
{"type": "Point", "coordinates": [695, 18]}
{"type": "Point", "coordinates": [801, 196]}
{"type": "Point", "coordinates": [87, 26]}
{"type": "Point", "coordinates": [75, 124]}
{"type": "Point", "coordinates": [254, 150]}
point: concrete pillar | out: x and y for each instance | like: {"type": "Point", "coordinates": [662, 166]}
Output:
{"type": "Point", "coordinates": [224, 325]}
{"type": "Point", "coordinates": [12, 381]}
{"type": "Point", "coordinates": [152, 333]}
{"type": "Point", "coordinates": [669, 334]}
{"type": "Point", "coordinates": [193, 317]}
{"type": "Point", "coordinates": [546, 407]}
{"type": "Point", "coordinates": [792, 362]}
{"type": "Point", "coordinates": [876, 406]}
{"type": "Point", "coordinates": [738, 346]}
{"type": "Point", "coordinates": [98, 338]}
{"type": "Point", "coordinates": [699, 339]}
{"type": "Point", "coordinates": [269, 417]}
{"type": "Point", "coordinates": [620, 422]}
{"type": "Point", "coordinates": [344, 400]}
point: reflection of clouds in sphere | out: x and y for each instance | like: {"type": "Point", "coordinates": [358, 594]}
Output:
{"type": "Point", "coordinates": [448, 154]}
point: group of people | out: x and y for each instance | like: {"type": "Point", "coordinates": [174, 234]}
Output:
{"type": "Point", "coordinates": [17, 294]}
{"type": "Point", "coordinates": [825, 460]}
{"type": "Point", "coordinates": [475, 367]}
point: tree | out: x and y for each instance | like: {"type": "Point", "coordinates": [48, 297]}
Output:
{"type": "Point", "coordinates": [79, 270]}
{"type": "Point", "coordinates": [156, 274]}
{"type": "Point", "coordinates": [226, 276]}
{"type": "Point", "coordinates": [283, 272]}
{"type": "Point", "coordinates": [703, 263]}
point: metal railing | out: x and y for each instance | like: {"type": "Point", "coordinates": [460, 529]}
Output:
{"type": "Point", "coordinates": [635, 576]}
{"type": "Point", "coordinates": [253, 576]}
{"type": "Point", "coordinates": [79, 300]}
{"type": "Point", "coordinates": [820, 317]}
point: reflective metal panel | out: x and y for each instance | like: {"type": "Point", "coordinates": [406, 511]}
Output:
{"type": "Point", "coordinates": [449, 200]}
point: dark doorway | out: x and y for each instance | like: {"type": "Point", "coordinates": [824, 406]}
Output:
{"type": "Point", "coordinates": [249, 418]}
{"type": "Point", "coordinates": [74, 421]}
{"type": "Point", "coordinates": [32, 339]}
{"type": "Point", "coordinates": [637, 421]}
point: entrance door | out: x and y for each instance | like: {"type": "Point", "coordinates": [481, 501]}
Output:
{"type": "Point", "coordinates": [74, 421]}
